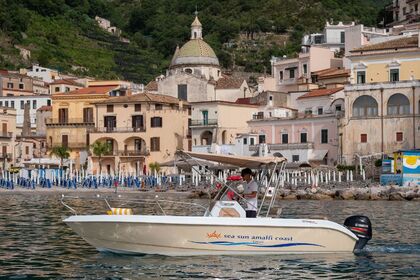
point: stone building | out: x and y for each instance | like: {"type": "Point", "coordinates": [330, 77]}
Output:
{"type": "Point", "coordinates": [382, 105]}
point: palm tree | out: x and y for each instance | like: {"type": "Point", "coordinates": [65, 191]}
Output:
{"type": "Point", "coordinates": [61, 152]}
{"type": "Point", "coordinates": [154, 166]}
{"type": "Point", "coordinates": [99, 149]}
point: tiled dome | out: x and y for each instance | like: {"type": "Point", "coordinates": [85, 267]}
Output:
{"type": "Point", "coordinates": [194, 52]}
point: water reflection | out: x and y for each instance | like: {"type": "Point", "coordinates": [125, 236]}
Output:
{"type": "Point", "coordinates": [34, 242]}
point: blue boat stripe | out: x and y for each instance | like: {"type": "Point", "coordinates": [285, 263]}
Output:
{"type": "Point", "coordinates": [254, 244]}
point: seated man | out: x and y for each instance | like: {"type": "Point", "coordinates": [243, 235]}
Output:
{"type": "Point", "coordinates": [250, 193]}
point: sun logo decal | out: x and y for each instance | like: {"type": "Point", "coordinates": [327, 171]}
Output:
{"type": "Point", "coordinates": [214, 234]}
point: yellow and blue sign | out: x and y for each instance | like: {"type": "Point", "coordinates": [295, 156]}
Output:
{"type": "Point", "coordinates": [411, 168]}
{"type": "Point", "coordinates": [405, 169]}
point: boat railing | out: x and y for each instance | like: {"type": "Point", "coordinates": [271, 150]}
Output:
{"type": "Point", "coordinates": [243, 201]}
{"type": "Point", "coordinates": [130, 203]}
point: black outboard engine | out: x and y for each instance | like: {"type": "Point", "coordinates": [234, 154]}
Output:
{"type": "Point", "coordinates": [361, 227]}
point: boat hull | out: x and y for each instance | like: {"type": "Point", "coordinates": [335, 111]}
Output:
{"type": "Point", "coordinates": [187, 236]}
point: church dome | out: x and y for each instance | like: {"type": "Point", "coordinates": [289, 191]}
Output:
{"type": "Point", "coordinates": [195, 51]}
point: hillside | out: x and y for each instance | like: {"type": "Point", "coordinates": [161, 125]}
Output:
{"type": "Point", "coordinates": [64, 35]}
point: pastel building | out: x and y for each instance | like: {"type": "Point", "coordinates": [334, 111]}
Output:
{"type": "Point", "coordinates": [332, 37]}
{"type": "Point", "coordinates": [64, 85]}
{"type": "Point", "coordinates": [140, 129]}
{"type": "Point", "coordinates": [45, 74]}
{"type": "Point", "coordinates": [7, 137]}
{"type": "Point", "coordinates": [18, 104]}
{"type": "Point", "coordinates": [294, 74]}
{"type": "Point", "coordinates": [218, 123]}
{"type": "Point", "coordinates": [13, 84]}
{"type": "Point", "coordinates": [308, 134]}
{"type": "Point", "coordinates": [382, 104]}
{"type": "Point", "coordinates": [73, 117]}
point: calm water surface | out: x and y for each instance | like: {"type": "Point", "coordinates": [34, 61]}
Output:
{"type": "Point", "coordinates": [36, 244]}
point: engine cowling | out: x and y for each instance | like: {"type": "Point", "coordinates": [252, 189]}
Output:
{"type": "Point", "coordinates": [361, 227]}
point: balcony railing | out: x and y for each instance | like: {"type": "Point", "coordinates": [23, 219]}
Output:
{"type": "Point", "coordinates": [204, 122]}
{"type": "Point", "coordinates": [70, 145]}
{"type": "Point", "coordinates": [290, 146]}
{"type": "Point", "coordinates": [128, 153]}
{"type": "Point", "coordinates": [290, 81]}
{"type": "Point", "coordinates": [68, 122]}
{"type": "Point", "coordinates": [118, 129]}
{"type": "Point", "coordinates": [6, 134]}
{"type": "Point", "coordinates": [133, 153]}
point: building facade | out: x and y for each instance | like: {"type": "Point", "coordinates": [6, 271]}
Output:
{"type": "Point", "coordinates": [404, 11]}
{"type": "Point", "coordinates": [73, 117]}
{"type": "Point", "coordinates": [8, 147]}
{"type": "Point", "coordinates": [45, 74]}
{"type": "Point", "coordinates": [139, 129]}
{"type": "Point", "coordinates": [294, 74]}
{"type": "Point", "coordinates": [218, 123]}
{"type": "Point", "coordinates": [18, 104]}
{"type": "Point", "coordinates": [13, 84]}
{"type": "Point", "coordinates": [383, 101]}
{"type": "Point", "coordinates": [64, 85]}
{"type": "Point", "coordinates": [332, 37]}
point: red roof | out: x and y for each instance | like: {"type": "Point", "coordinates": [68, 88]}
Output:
{"type": "Point", "coordinates": [246, 100]}
{"type": "Point", "coordinates": [331, 72]}
{"type": "Point", "coordinates": [320, 92]}
{"type": "Point", "coordinates": [66, 82]}
{"type": "Point", "coordinates": [88, 90]}
{"type": "Point", "coordinates": [401, 43]}
{"type": "Point", "coordinates": [152, 86]}
{"type": "Point", "coordinates": [45, 108]}
{"type": "Point", "coordinates": [226, 82]}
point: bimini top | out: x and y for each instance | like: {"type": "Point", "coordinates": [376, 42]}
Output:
{"type": "Point", "coordinates": [240, 161]}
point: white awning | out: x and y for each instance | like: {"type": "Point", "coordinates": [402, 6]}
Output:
{"type": "Point", "coordinates": [240, 161]}
{"type": "Point", "coordinates": [318, 155]}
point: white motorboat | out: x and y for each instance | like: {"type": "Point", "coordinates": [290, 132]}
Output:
{"type": "Point", "coordinates": [222, 230]}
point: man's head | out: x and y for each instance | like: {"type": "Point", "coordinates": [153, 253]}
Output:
{"type": "Point", "coordinates": [246, 174]}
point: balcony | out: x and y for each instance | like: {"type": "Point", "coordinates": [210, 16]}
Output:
{"type": "Point", "coordinates": [290, 146]}
{"type": "Point", "coordinates": [118, 129]}
{"type": "Point", "coordinates": [7, 135]}
{"type": "Point", "coordinates": [212, 122]}
{"type": "Point", "coordinates": [127, 153]}
{"type": "Point", "coordinates": [133, 153]}
{"type": "Point", "coordinates": [69, 122]}
{"type": "Point", "coordinates": [290, 81]}
{"type": "Point", "coordinates": [70, 145]}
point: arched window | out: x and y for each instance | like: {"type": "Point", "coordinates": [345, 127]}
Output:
{"type": "Point", "coordinates": [365, 106]}
{"type": "Point", "coordinates": [398, 104]}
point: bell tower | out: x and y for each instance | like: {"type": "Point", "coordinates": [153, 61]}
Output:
{"type": "Point", "coordinates": [196, 28]}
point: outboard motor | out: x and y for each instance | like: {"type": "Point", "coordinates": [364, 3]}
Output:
{"type": "Point", "coordinates": [361, 227]}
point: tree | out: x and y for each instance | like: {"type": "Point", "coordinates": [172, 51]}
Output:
{"type": "Point", "coordinates": [154, 166]}
{"type": "Point", "coordinates": [61, 152]}
{"type": "Point", "coordinates": [100, 149]}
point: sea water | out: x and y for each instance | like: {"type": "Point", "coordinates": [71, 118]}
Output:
{"type": "Point", "coordinates": [36, 244]}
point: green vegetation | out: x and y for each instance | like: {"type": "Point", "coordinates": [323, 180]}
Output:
{"type": "Point", "coordinates": [100, 149]}
{"type": "Point", "coordinates": [64, 35]}
{"type": "Point", "coordinates": [154, 167]}
{"type": "Point", "coordinates": [61, 152]}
